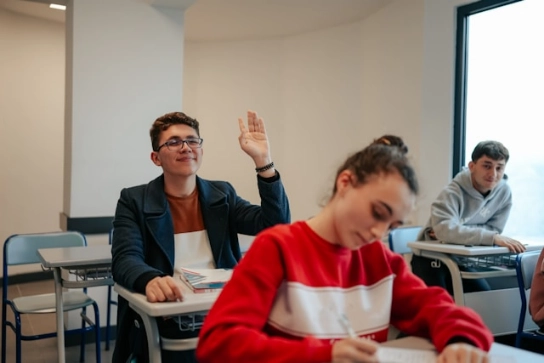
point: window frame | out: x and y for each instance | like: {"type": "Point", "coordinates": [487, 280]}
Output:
{"type": "Point", "coordinates": [460, 82]}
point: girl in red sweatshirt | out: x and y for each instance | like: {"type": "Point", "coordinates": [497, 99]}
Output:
{"type": "Point", "coordinates": [287, 297]}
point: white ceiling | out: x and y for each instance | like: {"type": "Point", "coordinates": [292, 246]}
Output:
{"type": "Point", "coordinates": [224, 20]}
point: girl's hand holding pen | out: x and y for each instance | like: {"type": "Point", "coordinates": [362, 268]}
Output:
{"type": "Point", "coordinates": [353, 350]}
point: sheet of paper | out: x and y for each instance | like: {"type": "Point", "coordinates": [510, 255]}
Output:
{"type": "Point", "coordinates": [402, 355]}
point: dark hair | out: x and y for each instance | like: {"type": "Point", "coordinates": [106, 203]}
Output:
{"type": "Point", "coordinates": [392, 140]}
{"type": "Point", "coordinates": [387, 155]}
{"type": "Point", "coordinates": [164, 122]}
{"type": "Point", "coordinates": [492, 149]}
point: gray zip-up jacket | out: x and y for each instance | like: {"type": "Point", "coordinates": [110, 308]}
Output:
{"type": "Point", "coordinates": [462, 215]}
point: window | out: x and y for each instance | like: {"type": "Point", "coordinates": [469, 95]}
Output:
{"type": "Point", "coordinates": [499, 96]}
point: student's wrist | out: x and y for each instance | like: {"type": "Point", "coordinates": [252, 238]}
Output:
{"type": "Point", "coordinates": [460, 339]}
{"type": "Point", "coordinates": [267, 174]}
{"type": "Point", "coordinates": [495, 237]}
{"type": "Point", "coordinates": [264, 167]}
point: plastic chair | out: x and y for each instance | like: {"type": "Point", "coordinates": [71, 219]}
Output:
{"type": "Point", "coordinates": [22, 250]}
{"type": "Point", "coordinates": [110, 303]}
{"type": "Point", "coordinates": [399, 238]}
{"type": "Point", "coordinates": [525, 269]}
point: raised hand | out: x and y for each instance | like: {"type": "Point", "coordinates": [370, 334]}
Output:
{"type": "Point", "coordinates": [253, 139]}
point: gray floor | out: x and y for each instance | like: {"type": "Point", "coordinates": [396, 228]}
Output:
{"type": "Point", "coordinates": [44, 350]}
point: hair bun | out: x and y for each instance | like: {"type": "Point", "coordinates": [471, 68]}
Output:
{"type": "Point", "coordinates": [391, 140]}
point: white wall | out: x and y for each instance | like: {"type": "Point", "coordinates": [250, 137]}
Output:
{"type": "Point", "coordinates": [392, 72]}
{"type": "Point", "coordinates": [31, 124]}
{"type": "Point", "coordinates": [120, 77]}
{"type": "Point", "coordinates": [324, 95]}
{"type": "Point", "coordinates": [437, 96]}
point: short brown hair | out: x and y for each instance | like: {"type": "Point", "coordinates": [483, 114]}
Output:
{"type": "Point", "coordinates": [492, 149]}
{"type": "Point", "coordinates": [164, 122]}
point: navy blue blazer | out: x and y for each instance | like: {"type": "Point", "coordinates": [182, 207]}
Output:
{"type": "Point", "coordinates": [143, 235]}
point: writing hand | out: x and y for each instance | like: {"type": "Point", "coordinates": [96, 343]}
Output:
{"type": "Point", "coordinates": [353, 350]}
{"type": "Point", "coordinates": [510, 243]}
{"type": "Point", "coordinates": [462, 353]}
{"type": "Point", "coordinates": [163, 289]}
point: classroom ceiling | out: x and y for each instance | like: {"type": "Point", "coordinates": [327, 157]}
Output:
{"type": "Point", "coordinates": [228, 20]}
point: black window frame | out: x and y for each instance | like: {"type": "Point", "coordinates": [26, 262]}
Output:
{"type": "Point", "coordinates": [459, 121]}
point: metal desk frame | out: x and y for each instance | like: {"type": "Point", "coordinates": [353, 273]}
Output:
{"type": "Point", "coordinates": [192, 304]}
{"type": "Point", "coordinates": [447, 254]}
{"type": "Point", "coordinates": [92, 267]}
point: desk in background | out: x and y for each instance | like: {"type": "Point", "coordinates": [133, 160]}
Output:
{"type": "Point", "coordinates": [91, 266]}
{"type": "Point", "coordinates": [498, 308]}
{"type": "Point", "coordinates": [192, 304]}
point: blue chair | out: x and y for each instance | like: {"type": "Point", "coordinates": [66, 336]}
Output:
{"type": "Point", "coordinates": [525, 269]}
{"type": "Point", "coordinates": [22, 250]}
{"type": "Point", "coordinates": [110, 303]}
{"type": "Point", "coordinates": [399, 237]}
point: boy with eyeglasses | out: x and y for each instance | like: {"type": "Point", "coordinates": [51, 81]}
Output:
{"type": "Point", "coordinates": [471, 210]}
{"type": "Point", "coordinates": [180, 219]}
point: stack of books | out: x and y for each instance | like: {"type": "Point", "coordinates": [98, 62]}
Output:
{"type": "Point", "coordinates": [205, 280]}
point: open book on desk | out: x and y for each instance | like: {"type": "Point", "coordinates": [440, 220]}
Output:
{"type": "Point", "coordinates": [205, 280]}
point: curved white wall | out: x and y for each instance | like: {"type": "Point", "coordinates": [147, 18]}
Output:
{"type": "Point", "coordinates": [322, 94]}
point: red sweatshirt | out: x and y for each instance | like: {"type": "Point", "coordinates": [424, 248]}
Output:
{"type": "Point", "coordinates": [285, 297]}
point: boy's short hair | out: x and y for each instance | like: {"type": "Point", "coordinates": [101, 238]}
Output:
{"type": "Point", "coordinates": [165, 121]}
{"type": "Point", "coordinates": [492, 149]}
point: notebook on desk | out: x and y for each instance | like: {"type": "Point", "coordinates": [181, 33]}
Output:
{"type": "Point", "coordinates": [205, 280]}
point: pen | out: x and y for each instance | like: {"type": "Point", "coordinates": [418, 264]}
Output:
{"type": "Point", "coordinates": [345, 322]}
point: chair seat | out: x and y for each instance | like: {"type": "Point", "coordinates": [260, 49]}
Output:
{"type": "Point", "coordinates": [45, 303]}
{"type": "Point", "coordinates": [179, 344]}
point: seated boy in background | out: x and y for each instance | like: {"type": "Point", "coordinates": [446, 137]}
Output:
{"type": "Point", "coordinates": [471, 210]}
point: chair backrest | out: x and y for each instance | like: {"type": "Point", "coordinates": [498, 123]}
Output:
{"type": "Point", "coordinates": [245, 242]}
{"type": "Point", "coordinates": [399, 237]}
{"type": "Point", "coordinates": [22, 249]}
{"type": "Point", "coordinates": [525, 269]}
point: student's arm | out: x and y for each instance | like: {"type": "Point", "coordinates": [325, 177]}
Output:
{"type": "Point", "coordinates": [274, 209]}
{"type": "Point", "coordinates": [128, 254]}
{"type": "Point", "coordinates": [498, 221]}
{"type": "Point", "coordinates": [233, 329]}
{"type": "Point", "coordinates": [536, 300]}
{"type": "Point", "coordinates": [431, 313]}
{"type": "Point", "coordinates": [447, 221]}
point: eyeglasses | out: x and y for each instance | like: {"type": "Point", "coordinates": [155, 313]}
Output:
{"type": "Point", "coordinates": [177, 144]}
